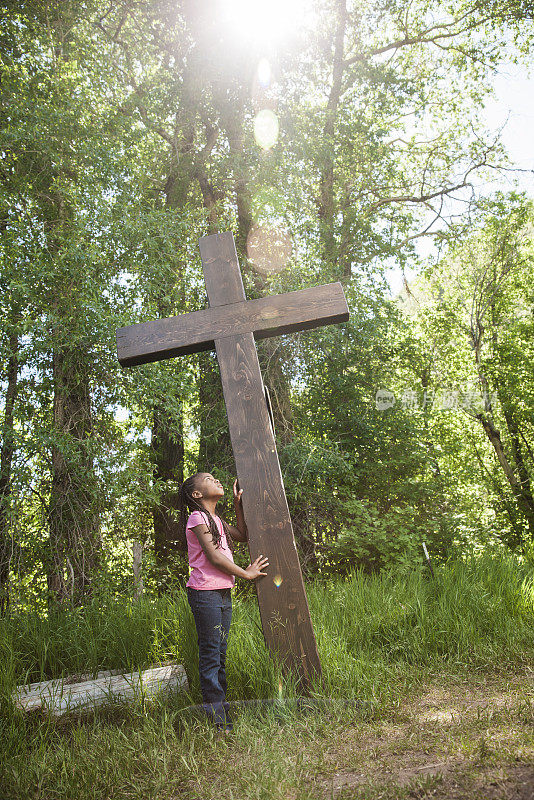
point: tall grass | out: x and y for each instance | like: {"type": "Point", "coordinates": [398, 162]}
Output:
{"type": "Point", "coordinates": [478, 614]}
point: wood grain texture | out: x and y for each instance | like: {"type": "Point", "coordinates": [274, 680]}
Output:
{"type": "Point", "coordinates": [222, 275]}
{"type": "Point", "coordinates": [266, 316]}
{"type": "Point", "coordinates": [282, 601]}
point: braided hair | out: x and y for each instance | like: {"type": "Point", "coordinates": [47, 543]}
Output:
{"type": "Point", "coordinates": [187, 504]}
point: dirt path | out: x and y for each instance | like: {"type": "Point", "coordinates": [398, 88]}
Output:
{"type": "Point", "coordinates": [447, 741]}
{"type": "Point", "coordinates": [459, 741]}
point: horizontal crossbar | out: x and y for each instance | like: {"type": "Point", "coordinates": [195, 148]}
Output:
{"type": "Point", "coordinates": [266, 316]}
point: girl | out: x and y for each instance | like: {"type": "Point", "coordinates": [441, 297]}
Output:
{"type": "Point", "coordinates": [212, 576]}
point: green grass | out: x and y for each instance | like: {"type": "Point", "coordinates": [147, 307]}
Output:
{"type": "Point", "coordinates": [378, 637]}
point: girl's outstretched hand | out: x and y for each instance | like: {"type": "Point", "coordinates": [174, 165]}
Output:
{"type": "Point", "coordinates": [254, 570]}
{"type": "Point", "coordinates": [237, 495]}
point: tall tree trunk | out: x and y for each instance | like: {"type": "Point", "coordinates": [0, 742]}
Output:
{"type": "Point", "coordinates": [167, 442]}
{"type": "Point", "coordinates": [517, 454]}
{"type": "Point", "coordinates": [215, 447]}
{"type": "Point", "coordinates": [74, 504]}
{"type": "Point", "coordinates": [507, 503]}
{"type": "Point", "coordinates": [6, 458]}
{"type": "Point", "coordinates": [520, 489]}
{"type": "Point", "coordinates": [326, 201]}
{"type": "Point", "coordinates": [186, 165]}
{"type": "Point", "coordinates": [168, 448]}
{"type": "Point", "coordinates": [521, 493]}
{"type": "Point", "coordinates": [270, 353]}
{"type": "Point", "coordinates": [233, 115]}
{"type": "Point", "coordinates": [167, 445]}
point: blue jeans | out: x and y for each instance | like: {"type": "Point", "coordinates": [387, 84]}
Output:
{"type": "Point", "coordinates": [212, 611]}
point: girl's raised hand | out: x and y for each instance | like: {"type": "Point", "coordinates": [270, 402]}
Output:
{"type": "Point", "coordinates": [237, 494]}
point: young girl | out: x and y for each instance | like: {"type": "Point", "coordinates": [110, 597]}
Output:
{"type": "Point", "coordinates": [212, 576]}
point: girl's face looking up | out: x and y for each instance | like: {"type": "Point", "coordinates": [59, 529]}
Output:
{"type": "Point", "coordinates": [207, 487]}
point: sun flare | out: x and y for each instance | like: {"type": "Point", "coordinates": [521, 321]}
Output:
{"type": "Point", "coordinates": [266, 22]}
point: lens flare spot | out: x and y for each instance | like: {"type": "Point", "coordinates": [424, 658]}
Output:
{"type": "Point", "coordinates": [268, 247]}
{"type": "Point", "coordinates": [277, 580]}
{"type": "Point", "coordinates": [264, 73]}
{"type": "Point", "coordinates": [266, 128]}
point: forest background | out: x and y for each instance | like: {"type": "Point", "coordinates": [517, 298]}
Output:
{"type": "Point", "coordinates": [330, 137]}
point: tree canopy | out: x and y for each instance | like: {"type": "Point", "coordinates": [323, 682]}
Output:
{"type": "Point", "coordinates": [329, 147]}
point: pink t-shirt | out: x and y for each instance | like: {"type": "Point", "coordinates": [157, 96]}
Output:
{"type": "Point", "coordinates": [203, 574]}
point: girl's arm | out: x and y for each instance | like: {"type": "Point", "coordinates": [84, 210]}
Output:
{"type": "Point", "coordinates": [239, 533]}
{"type": "Point", "coordinates": [215, 557]}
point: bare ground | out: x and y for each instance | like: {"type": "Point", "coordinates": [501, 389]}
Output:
{"type": "Point", "coordinates": [449, 741]}
{"type": "Point", "coordinates": [457, 741]}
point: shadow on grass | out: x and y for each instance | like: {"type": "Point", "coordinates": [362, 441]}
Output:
{"type": "Point", "coordinates": [281, 708]}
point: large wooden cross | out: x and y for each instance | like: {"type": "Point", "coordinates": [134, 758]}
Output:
{"type": "Point", "coordinates": [230, 325]}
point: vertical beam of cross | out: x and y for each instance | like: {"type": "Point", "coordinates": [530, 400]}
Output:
{"type": "Point", "coordinates": [282, 601]}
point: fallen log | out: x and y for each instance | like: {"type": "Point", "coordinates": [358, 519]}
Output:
{"type": "Point", "coordinates": [61, 695]}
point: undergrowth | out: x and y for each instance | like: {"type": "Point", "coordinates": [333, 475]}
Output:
{"type": "Point", "coordinates": [376, 635]}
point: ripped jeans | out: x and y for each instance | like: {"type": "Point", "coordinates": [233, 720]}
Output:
{"type": "Point", "coordinates": [212, 611]}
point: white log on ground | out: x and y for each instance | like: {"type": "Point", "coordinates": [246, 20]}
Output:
{"type": "Point", "coordinates": [62, 695]}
